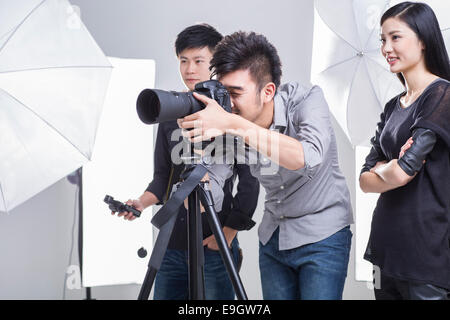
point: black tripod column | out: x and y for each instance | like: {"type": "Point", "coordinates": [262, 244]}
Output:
{"type": "Point", "coordinates": [196, 260]}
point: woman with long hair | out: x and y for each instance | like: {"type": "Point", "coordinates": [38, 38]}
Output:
{"type": "Point", "coordinates": [409, 162]}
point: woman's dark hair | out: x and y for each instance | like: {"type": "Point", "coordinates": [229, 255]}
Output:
{"type": "Point", "coordinates": [422, 20]}
{"type": "Point", "coordinates": [197, 36]}
{"type": "Point", "coordinates": [248, 51]}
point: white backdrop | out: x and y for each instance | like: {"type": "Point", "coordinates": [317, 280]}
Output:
{"type": "Point", "coordinates": [121, 167]}
{"type": "Point", "coordinates": [365, 205]}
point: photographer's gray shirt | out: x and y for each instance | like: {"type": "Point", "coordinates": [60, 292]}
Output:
{"type": "Point", "coordinates": [312, 203]}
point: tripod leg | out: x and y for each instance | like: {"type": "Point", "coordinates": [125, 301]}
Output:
{"type": "Point", "coordinates": [195, 249]}
{"type": "Point", "coordinates": [158, 252]}
{"type": "Point", "coordinates": [214, 223]}
{"type": "Point", "coordinates": [147, 285]}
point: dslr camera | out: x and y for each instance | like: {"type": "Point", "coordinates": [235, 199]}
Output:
{"type": "Point", "coordinates": [156, 106]}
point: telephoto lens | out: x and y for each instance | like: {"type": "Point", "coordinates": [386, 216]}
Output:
{"type": "Point", "coordinates": [156, 106]}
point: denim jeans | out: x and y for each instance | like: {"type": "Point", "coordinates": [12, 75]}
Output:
{"type": "Point", "coordinates": [171, 281]}
{"type": "Point", "coordinates": [315, 271]}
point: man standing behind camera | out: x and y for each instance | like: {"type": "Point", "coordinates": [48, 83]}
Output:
{"type": "Point", "coordinates": [304, 235]}
{"type": "Point", "coordinates": [194, 48]}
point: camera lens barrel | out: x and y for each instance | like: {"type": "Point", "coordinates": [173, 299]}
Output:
{"type": "Point", "coordinates": [155, 106]}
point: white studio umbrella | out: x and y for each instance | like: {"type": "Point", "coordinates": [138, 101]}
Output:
{"type": "Point", "coordinates": [53, 78]}
{"type": "Point", "coordinates": [348, 65]}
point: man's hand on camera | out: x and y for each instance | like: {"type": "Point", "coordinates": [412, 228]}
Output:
{"type": "Point", "coordinates": [129, 215]}
{"type": "Point", "coordinates": [208, 123]}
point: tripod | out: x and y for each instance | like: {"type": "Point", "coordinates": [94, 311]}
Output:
{"type": "Point", "coordinates": [165, 220]}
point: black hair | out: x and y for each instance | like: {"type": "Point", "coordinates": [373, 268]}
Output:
{"type": "Point", "coordinates": [248, 51]}
{"type": "Point", "coordinates": [197, 36]}
{"type": "Point", "coordinates": [422, 20]}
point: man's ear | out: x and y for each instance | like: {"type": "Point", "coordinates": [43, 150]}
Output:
{"type": "Point", "coordinates": [268, 92]}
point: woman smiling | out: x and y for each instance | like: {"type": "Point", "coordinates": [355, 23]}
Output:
{"type": "Point", "coordinates": [409, 163]}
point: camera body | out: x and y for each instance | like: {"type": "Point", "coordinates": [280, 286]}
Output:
{"type": "Point", "coordinates": [156, 106]}
{"type": "Point", "coordinates": [215, 90]}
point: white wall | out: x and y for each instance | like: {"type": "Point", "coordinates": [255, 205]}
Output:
{"type": "Point", "coordinates": [35, 240]}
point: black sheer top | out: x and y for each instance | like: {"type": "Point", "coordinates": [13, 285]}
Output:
{"type": "Point", "coordinates": [410, 236]}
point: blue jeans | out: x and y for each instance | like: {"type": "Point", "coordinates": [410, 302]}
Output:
{"type": "Point", "coordinates": [171, 281]}
{"type": "Point", "coordinates": [315, 271]}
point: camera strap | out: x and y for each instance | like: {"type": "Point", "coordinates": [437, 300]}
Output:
{"type": "Point", "coordinates": [171, 207]}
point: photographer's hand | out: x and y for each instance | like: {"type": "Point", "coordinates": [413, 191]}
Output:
{"type": "Point", "coordinates": [280, 148]}
{"type": "Point", "coordinates": [208, 123]}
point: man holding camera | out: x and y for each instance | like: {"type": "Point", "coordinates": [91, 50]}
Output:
{"type": "Point", "coordinates": [194, 48]}
{"type": "Point", "coordinates": [304, 235]}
